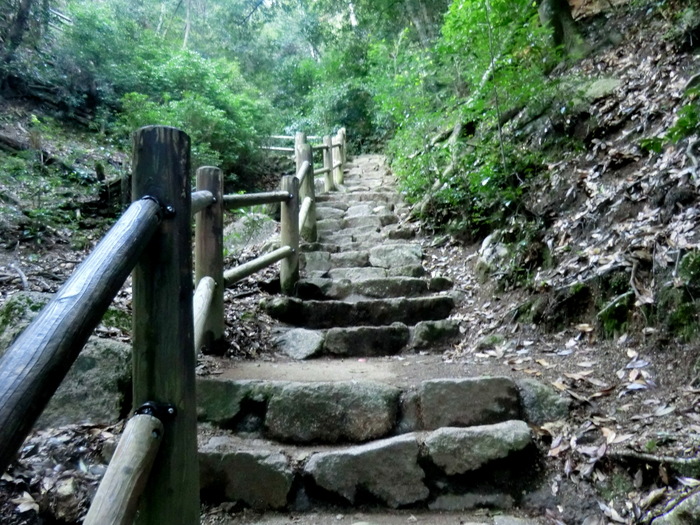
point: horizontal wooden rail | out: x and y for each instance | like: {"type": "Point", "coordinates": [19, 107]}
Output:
{"type": "Point", "coordinates": [337, 165]}
{"type": "Point", "coordinates": [304, 212]}
{"type": "Point", "coordinates": [201, 303]}
{"type": "Point", "coordinates": [201, 200]}
{"type": "Point", "coordinates": [34, 366]}
{"type": "Point", "coordinates": [251, 199]}
{"type": "Point", "coordinates": [282, 137]}
{"type": "Point", "coordinates": [117, 497]}
{"type": "Point", "coordinates": [244, 270]}
{"type": "Point", "coordinates": [314, 137]}
{"type": "Point", "coordinates": [322, 171]}
{"type": "Point", "coordinates": [278, 148]}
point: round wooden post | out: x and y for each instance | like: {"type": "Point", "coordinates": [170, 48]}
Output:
{"type": "Point", "coordinates": [328, 183]}
{"type": "Point", "coordinates": [289, 235]}
{"type": "Point", "coordinates": [163, 348]}
{"type": "Point", "coordinates": [209, 255]}
{"type": "Point", "coordinates": [337, 162]}
{"type": "Point", "coordinates": [307, 189]}
{"type": "Point", "coordinates": [342, 135]}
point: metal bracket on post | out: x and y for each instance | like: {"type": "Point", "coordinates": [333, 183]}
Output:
{"type": "Point", "coordinates": [163, 411]}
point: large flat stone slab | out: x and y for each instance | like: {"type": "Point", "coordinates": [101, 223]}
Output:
{"type": "Point", "coordinates": [329, 314]}
{"type": "Point", "coordinates": [326, 288]}
{"type": "Point", "coordinates": [459, 450]}
{"type": "Point", "coordinates": [467, 402]}
{"type": "Point", "coordinates": [392, 255]}
{"type": "Point", "coordinates": [364, 341]}
{"type": "Point", "coordinates": [350, 259]}
{"type": "Point", "coordinates": [357, 274]}
{"type": "Point", "coordinates": [352, 411]}
{"type": "Point", "coordinates": [387, 469]}
{"type": "Point", "coordinates": [261, 479]}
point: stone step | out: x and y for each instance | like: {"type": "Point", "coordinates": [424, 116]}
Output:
{"type": "Point", "coordinates": [446, 469]}
{"type": "Point", "coordinates": [365, 516]}
{"type": "Point", "coordinates": [374, 312]}
{"type": "Point", "coordinates": [382, 288]}
{"type": "Point", "coordinates": [379, 196]}
{"type": "Point", "coordinates": [366, 341]}
{"type": "Point", "coordinates": [356, 411]}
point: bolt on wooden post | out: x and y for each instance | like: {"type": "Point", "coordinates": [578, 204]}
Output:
{"type": "Point", "coordinates": [209, 254]}
{"type": "Point", "coordinates": [289, 235]}
{"type": "Point", "coordinates": [163, 353]}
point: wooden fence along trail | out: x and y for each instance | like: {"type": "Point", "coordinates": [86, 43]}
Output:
{"type": "Point", "coordinates": [155, 465]}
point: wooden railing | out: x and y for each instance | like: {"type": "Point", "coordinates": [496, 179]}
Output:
{"type": "Point", "coordinates": [155, 465]}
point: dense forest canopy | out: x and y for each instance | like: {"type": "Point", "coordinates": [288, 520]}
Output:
{"type": "Point", "coordinates": [447, 86]}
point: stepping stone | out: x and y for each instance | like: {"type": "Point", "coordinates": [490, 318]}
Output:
{"type": "Point", "coordinates": [325, 213]}
{"type": "Point", "coordinates": [393, 255]}
{"type": "Point", "coordinates": [467, 402]}
{"type": "Point", "coordinates": [371, 288]}
{"type": "Point", "coordinates": [359, 210]}
{"type": "Point", "coordinates": [348, 411]}
{"type": "Point", "coordinates": [315, 262]}
{"type": "Point", "coordinates": [330, 225]}
{"type": "Point", "coordinates": [300, 343]}
{"type": "Point", "coordinates": [386, 469]}
{"type": "Point", "coordinates": [357, 274]}
{"type": "Point", "coordinates": [349, 259]}
{"type": "Point", "coordinates": [366, 341]}
{"type": "Point", "coordinates": [460, 450]}
{"type": "Point", "coordinates": [374, 312]}
{"type": "Point", "coordinates": [430, 333]}
{"type": "Point", "coordinates": [261, 479]}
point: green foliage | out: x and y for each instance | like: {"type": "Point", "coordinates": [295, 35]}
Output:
{"type": "Point", "coordinates": [487, 62]}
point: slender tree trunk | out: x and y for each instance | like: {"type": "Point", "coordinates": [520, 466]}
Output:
{"type": "Point", "coordinates": [188, 23]}
{"type": "Point", "coordinates": [16, 33]}
{"type": "Point", "coordinates": [557, 15]}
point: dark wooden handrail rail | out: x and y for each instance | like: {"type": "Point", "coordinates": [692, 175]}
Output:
{"type": "Point", "coordinates": [33, 367]}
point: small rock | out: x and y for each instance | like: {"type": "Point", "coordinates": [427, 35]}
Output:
{"type": "Point", "coordinates": [300, 343]}
{"type": "Point", "coordinates": [541, 403]}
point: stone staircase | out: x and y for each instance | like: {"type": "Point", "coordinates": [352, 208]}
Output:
{"type": "Point", "coordinates": [357, 417]}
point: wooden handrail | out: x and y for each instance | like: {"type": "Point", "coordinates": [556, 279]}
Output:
{"type": "Point", "coordinates": [201, 200]}
{"type": "Point", "coordinates": [232, 202]}
{"type": "Point", "coordinates": [302, 172]}
{"type": "Point", "coordinates": [201, 303]}
{"type": "Point", "coordinates": [278, 148]}
{"type": "Point", "coordinates": [304, 212]}
{"type": "Point", "coordinates": [234, 275]}
{"type": "Point", "coordinates": [33, 367]}
{"type": "Point", "coordinates": [117, 497]}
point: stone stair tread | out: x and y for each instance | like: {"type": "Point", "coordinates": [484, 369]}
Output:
{"type": "Point", "coordinates": [331, 313]}
{"type": "Point", "coordinates": [340, 289]}
{"type": "Point", "coordinates": [417, 468]}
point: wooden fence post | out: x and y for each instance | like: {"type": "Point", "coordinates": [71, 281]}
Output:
{"type": "Point", "coordinates": [209, 254]}
{"type": "Point", "coordinates": [163, 354]}
{"type": "Point", "coordinates": [337, 161]}
{"type": "Point", "coordinates": [307, 189]}
{"type": "Point", "coordinates": [328, 183]}
{"type": "Point", "coordinates": [289, 235]}
{"type": "Point", "coordinates": [342, 135]}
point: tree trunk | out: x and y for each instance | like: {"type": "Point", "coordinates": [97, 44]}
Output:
{"type": "Point", "coordinates": [17, 30]}
{"type": "Point", "coordinates": [557, 15]}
